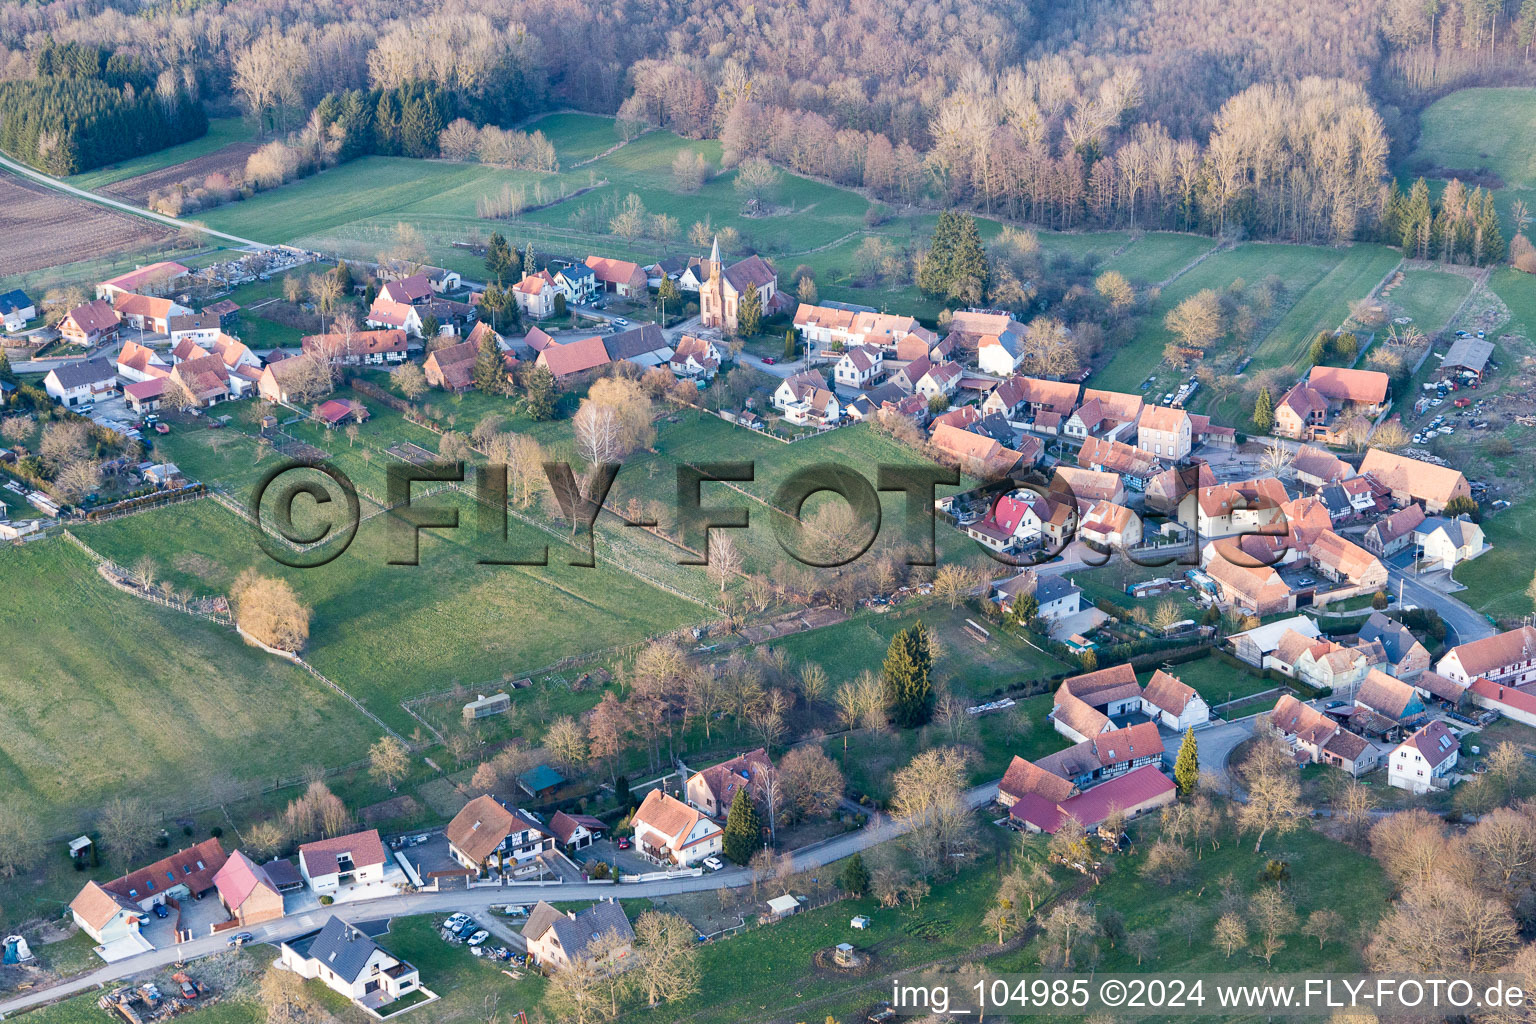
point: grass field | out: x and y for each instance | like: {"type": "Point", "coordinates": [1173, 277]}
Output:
{"type": "Point", "coordinates": [1430, 297]}
{"type": "Point", "coordinates": [113, 695]}
{"type": "Point", "coordinates": [576, 137]}
{"type": "Point", "coordinates": [222, 131]}
{"type": "Point", "coordinates": [1497, 582]}
{"type": "Point", "coordinates": [1469, 130]}
{"type": "Point", "coordinates": [1154, 258]}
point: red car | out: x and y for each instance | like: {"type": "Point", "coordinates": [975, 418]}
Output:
{"type": "Point", "coordinates": [768, 360]}
{"type": "Point", "coordinates": [623, 842]}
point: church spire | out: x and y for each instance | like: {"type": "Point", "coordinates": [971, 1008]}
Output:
{"type": "Point", "coordinates": [714, 254]}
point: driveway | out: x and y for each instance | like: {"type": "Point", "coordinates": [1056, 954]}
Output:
{"type": "Point", "coordinates": [1215, 746]}
{"type": "Point", "coordinates": [1464, 624]}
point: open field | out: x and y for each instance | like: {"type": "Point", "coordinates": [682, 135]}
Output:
{"type": "Point", "coordinates": [227, 160]}
{"type": "Point", "coordinates": [1153, 258]}
{"type": "Point", "coordinates": [1469, 131]}
{"type": "Point", "coordinates": [43, 228]}
{"type": "Point", "coordinates": [114, 695]}
{"type": "Point", "coordinates": [222, 131]}
{"type": "Point", "coordinates": [1430, 297]}
{"type": "Point", "coordinates": [576, 137]}
{"type": "Point", "coordinates": [1497, 582]}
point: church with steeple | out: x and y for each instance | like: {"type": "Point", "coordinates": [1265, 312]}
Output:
{"type": "Point", "coordinates": [723, 287]}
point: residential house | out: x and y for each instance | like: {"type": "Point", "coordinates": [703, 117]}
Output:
{"type": "Point", "coordinates": [1321, 662]}
{"type": "Point", "coordinates": [940, 381]}
{"type": "Point", "coordinates": [1138, 792]}
{"type": "Point", "coordinates": [669, 832]}
{"type": "Point", "coordinates": [576, 831]}
{"type": "Point", "coordinates": [1010, 524]}
{"type": "Point", "coordinates": [137, 362]}
{"type": "Point", "coordinates": [359, 348]}
{"type": "Point", "coordinates": [618, 277]}
{"type": "Point", "coordinates": [1366, 496]}
{"type": "Point", "coordinates": [829, 326]}
{"type": "Point", "coordinates": [1390, 534]}
{"type": "Point", "coordinates": [1508, 659]}
{"type": "Point", "coordinates": [577, 283]}
{"type": "Point", "coordinates": [442, 281]}
{"type": "Point", "coordinates": [225, 310]}
{"type": "Point", "coordinates": [713, 789]}
{"type": "Point", "coordinates": [1024, 777]}
{"type": "Point", "coordinates": [1135, 466]}
{"type": "Point", "coordinates": [1251, 506]}
{"type": "Point", "coordinates": [1515, 704]}
{"type": "Point", "coordinates": [1107, 692]}
{"type": "Point", "coordinates": [390, 315]}
{"type": "Point", "coordinates": [906, 376]}
{"type": "Point", "coordinates": [1412, 480]}
{"type": "Point", "coordinates": [695, 358]}
{"type": "Point", "coordinates": [247, 891]}
{"type": "Point", "coordinates": [1306, 519]}
{"type": "Point", "coordinates": [1110, 527]}
{"type": "Point", "coordinates": [355, 859]}
{"type": "Point", "coordinates": [1344, 561]}
{"type": "Point", "coordinates": [198, 328]}
{"type": "Point", "coordinates": [155, 279]}
{"type": "Point", "coordinates": [1317, 467]}
{"type": "Point", "coordinates": [645, 346]}
{"type": "Point", "coordinates": [411, 290]}
{"type": "Point", "coordinates": [1319, 739]}
{"type": "Point", "coordinates": [1111, 415]}
{"type": "Point", "coordinates": [1024, 399]}
{"type": "Point", "coordinates": [1390, 698]}
{"type": "Point", "coordinates": [669, 268]}
{"type": "Point", "coordinates": [1313, 410]}
{"type": "Point", "coordinates": [349, 962]}
{"type": "Point", "coordinates": [970, 328]}
{"type": "Point", "coordinates": [493, 839]}
{"type": "Point", "coordinates": [1165, 432]}
{"type": "Point", "coordinates": [94, 323]}
{"type": "Point", "coordinates": [74, 384]}
{"type": "Point", "coordinates": [1257, 645]}
{"type": "Point", "coordinates": [977, 455]}
{"type": "Point", "coordinates": [535, 295]}
{"type": "Point", "coordinates": [147, 312]}
{"type": "Point", "coordinates": [1107, 754]}
{"type": "Point", "coordinates": [1446, 543]}
{"type": "Point", "coordinates": [858, 367]}
{"type": "Point", "coordinates": [281, 379]}
{"type": "Point", "coordinates": [110, 911]}
{"type": "Point", "coordinates": [1172, 492]}
{"type": "Point", "coordinates": [1086, 487]}
{"type": "Point", "coordinates": [206, 380]}
{"type": "Point", "coordinates": [1056, 597]}
{"type": "Point", "coordinates": [452, 367]}
{"type": "Point", "coordinates": [1173, 704]}
{"type": "Point", "coordinates": [555, 939]}
{"type": "Point", "coordinates": [1255, 590]}
{"type": "Point", "coordinates": [145, 395]}
{"type": "Point", "coordinates": [1406, 657]}
{"type": "Point", "coordinates": [1422, 761]}
{"type": "Point", "coordinates": [1000, 354]}
{"type": "Point", "coordinates": [16, 308]}
{"type": "Point", "coordinates": [567, 361]}
{"type": "Point", "coordinates": [804, 398]}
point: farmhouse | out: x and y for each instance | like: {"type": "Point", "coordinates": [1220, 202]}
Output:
{"type": "Point", "coordinates": [1515, 704]}
{"type": "Point", "coordinates": [980, 456]}
{"type": "Point", "coordinates": [1318, 739]}
{"type": "Point", "coordinates": [1107, 693]}
{"type": "Point", "coordinates": [1317, 467]}
{"type": "Point", "coordinates": [1023, 777]}
{"type": "Point", "coordinates": [155, 279]}
{"type": "Point", "coordinates": [1410, 480]}
{"type": "Point", "coordinates": [857, 368]}
{"type": "Point", "coordinates": [1406, 657]}
{"type": "Point", "coordinates": [1320, 662]}
{"type": "Point", "coordinates": [75, 384]}
{"type": "Point", "coordinates": [1173, 704]}
{"type": "Point", "coordinates": [1165, 432]}
{"type": "Point", "coordinates": [574, 357]}
{"type": "Point", "coordinates": [452, 367]}
{"type": "Point", "coordinates": [247, 891]}
{"type": "Point", "coordinates": [1111, 415]}
{"type": "Point", "coordinates": [713, 789]}
{"type": "Point", "coordinates": [111, 911]}
{"type": "Point", "coordinates": [1391, 533]}
{"type": "Point", "coordinates": [1088, 486]}
{"type": "Point", "coordinates": [391, 315]}
{"type": "Point", "coordinates": [669, 832]}
{"type": "Point", "coordinates": [358, 348]}
{"type": "Point", "coordinates": [1172, 492]}
{"type": "Point", "coordinates": [1106, 755]}
{"type": "Point", "coordinates": [491, 838]}
{"type": "Point", "coordinates": [941, 381]}
{"type": "Point", "coordinates": [1390, 698]}
{"type": "Point", "coordinates": [618, 277]}
{"type": "Point", "coordinates": [1507, 658]}
{"type": "Point", "coordinates": [92, 324]}
{"type": "Point", "coordinates": [555, 939]}
{"type": "Point", "coordinates": [355, 859]}
{"type": "Point", "coordinates": [1022, 399]}
{"type": "Point", "coordinates": [349, 962]}
{"type": "Point", "coordinates": [644, 346]}
{"type": "Point", "coordinates": [1343, 561]}
{"type": "Point", "coordinates": [1422, 761]}
{"type": "Point", "coordinates": [412, 290]}
{"type": "Point", "coordinates": [1311, 410]}
{"type": "Point", "coordinates": [1135, 466]}
{"type": "Point", "coordinates": [1446, 543]}
{"type": "Point", "coordinates": [1134, 793]}
{"type": "Point", "coordinates": [1251, 506]}
{"type": "Point", "coordinates": [146, 312]}
{"type": "Point", "coordinates": [284, 378]}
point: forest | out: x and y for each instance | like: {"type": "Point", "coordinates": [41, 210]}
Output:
{"type": "Point", "coordinates": [1226, 117]}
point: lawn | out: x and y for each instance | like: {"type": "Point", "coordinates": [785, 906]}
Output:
{"type": "Point", "coordinates": [1219, 682]}
{"type": "Point", "coordinates": [576, 137]}
{"type": "Point", "coordinates": [1430, 297]}
{"type": "Point", "coordinates": [222, 131]}
{"type": "Point", "coordinates": [1497, 583]}
{"type": "Point", "coordinates": [1155, 257]}
{"type": "Point", "coordinates": [112, 695]}
{"type": "Point", "coordinates": [389, 632]}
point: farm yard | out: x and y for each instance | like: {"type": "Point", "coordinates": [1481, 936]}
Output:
{"type": "Point", "coordinates": [43, 228]}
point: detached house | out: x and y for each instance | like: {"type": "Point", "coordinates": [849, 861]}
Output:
{"type": "Point", "coordinates": [555, 939]}
{"type": "Point", "coordinates": [576, 831]}
{"type": "Point", "coordinates": [1390, 534]}
{"type": "Point", "coordinates": [695, 358]}
{"type": "Point", "coordinates": [391, 315]}
{"type": "Point", "coordinates": [1406, 657]}
{"type": "Point", "coordinates": [577, 283]}
{"type": "Point", "coordinates": [858, 367]}
{"type": "Point", "coordinates": [1319, 739]}
{"type": "Point", "coordinates": [452, 367]}
{"type": "Point", "coordinates": [1344, 561]}
{"type": "Point", "coordinates": [804, 398]}
{"type": "Point", "coordinates": [136, 362]}
{"type": "Point", "coordinates": [1173, 704]}
{"type": "Point", "coordinates": [1422, 761]}
{"type": "Point", "coordinates": [535, 295]}
{"type": "Point", "coordinates": [74, 384]}
{"type": "Point", "coordinates": [1311, 410]}
{"type": "Point", "coordinates": [713, 789]}
{"type": "Point", "coordinates": [16, 308]}
{"type": "Point", "coordinates": [1507, 659]}
{"type": "Point", "coordinates": [1252, 506]}
{"type": "Point", "coordinates": [1106, 755]}
{"type": "Point", "coordinates": [247, 891]}
{"type": "Point", "coordinates": [491, 838]}
{"type": "Point", "coordinates": [1165, 432]}
{"type": "Point", "coordinates": [349, 962]}
{"type": "Point", "coordinates": [1446, 543]}
{"type": "Point", "coordinates": [1025, 399]}
{"type": "Point", "coordinates": [1317, 467]}
{"type": "Point", "coordinates": [1111, 415]}
{"type": "Point", "coordinates": [1256, 590]}
{"type": "Point", "coordinates": [92, 324]}
{"type": "Point", "coordinates": [1110, 526]}
{"type": "Point", "coordinates": [355, 859]}
{"type": "Point", "coordinates": [669, 832]}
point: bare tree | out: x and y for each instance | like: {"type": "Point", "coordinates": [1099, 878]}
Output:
{"type": "Point", "coordinates": [1322, 925]}
{"type": "Point", "coordinates": [389, 761]}
{"type": "Point", "coordinates": [19, 847]}
{"type": "Point", "coordinates": [576, 990]}
{"type": "Point", "coordinates": [268, 609]}
{"type": "Point", "coordinates": [1231, 933]}
{"type": "Point", "coordinates": [666, 957]}
{"type": "Point", "coordinates": [125, 828]}
{"type": "Point", "coordinates": [1273, 917]}
{"type": "Point", "coordinates": [1274, 793]}
{"type": "Point", "coordinates": [724, 559]}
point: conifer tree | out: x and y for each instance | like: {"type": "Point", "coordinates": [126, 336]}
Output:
{"type": "Point", "coordinates": [1186, 770]}
{"type": "Point", "coordinates": [498, 257]}
{"type": "Point", "coordinates": [854, 878]}
{"type": "Point", "coordinates": [743, 829]}
{"type": "Point", "coordinates": [489, 376]}
{"type": "Point", "coordinates": [1264, 411]}
{"type": "Point", "coordinates": [749, 312]}
{"type": "Point", "coordinates": [540, 385]}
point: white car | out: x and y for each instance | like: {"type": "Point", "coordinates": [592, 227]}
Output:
{"type": "Point", "coordinates": [479, 937]}
{"type": "Point", "coordinates": [453, 923]}
{"type": "Point", "coordinates": [621, 321]}
{"type": "Point", "coordinates": [713, 863]}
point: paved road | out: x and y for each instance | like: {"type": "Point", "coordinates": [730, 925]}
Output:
{"type": "Point", "coordinates": [1465, 625]}
{"type": "Point", "coordinates": [473, 901]}
{"type": "Point", "coordinates": [137, 211]}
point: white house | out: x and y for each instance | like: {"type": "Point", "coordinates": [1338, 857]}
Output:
{"type": "Point", "coordinates": [349, 962]}
{"type": "Point", "coordinates": [1428, 755]}
{"type": "Point", "coordinates": [942, 379]}
{"type": "Point", "coordinates": [1507, 658]}
{"type": "Point", "coordinates": [16, 308]}
{"type": "Point", "coordinates": [77, 383]}
{"type": "Point", "coordinates": [1000, 353]}
{"type": "Point", "coordinates": [535, 295]}
{"type": "Point", "coordinates": [1173, 704]}
{"type": "Point", "coordinates": [670, 832]}
{"type": "Point", "coordinates": [804, 398]}
{"type": "Point", "coordinates": [577, 283]}
{"type": "Point", "coordinates": [1059, 597]}
{"type": "Point", "coordinates": [555, 939]}
{"type": "Point", "coordinates": [858, 367]}
{"type": "Point", "coordinates": [492, 838]}
{"type": "Point", "coordinates": [1446, 543]}
{"type": "Point", "coordinates": [355, 859]}
{"type": "Point", "coordinates": [695, 358]}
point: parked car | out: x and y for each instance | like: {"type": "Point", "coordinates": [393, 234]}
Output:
{"type": "Point", "coordinates": [713, 863]}
{"type": "Point", "coordinates": [161, 912]}
{"type": "Point", "coordinates": [479, 937]}
{"type": "Point", "coordinates": [769, 360]}
{"type": "Point", "coordinates": [240, 940]}
{"type": "Point", "coordinates": [623, 842]}
{"type": "Point", "coordinates": [621, 321]}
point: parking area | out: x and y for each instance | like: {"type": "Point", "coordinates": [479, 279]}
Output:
{"type": "Point", "coordinates": [627, 861]}
{"type": "Point", "coordinates": [197, 917]}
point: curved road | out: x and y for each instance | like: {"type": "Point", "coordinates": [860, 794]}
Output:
{"type": "Point", "coordinates": [813, 856]}
{"type": "Point", "coordinates": [137, 211]}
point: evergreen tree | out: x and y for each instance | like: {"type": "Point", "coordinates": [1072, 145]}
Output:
{"type": "Point", "coordinates": [790, 349]}
{"type": "Point", "coordinates": [743, 829]}
{"type": "Point", "coordinates": [907, 672]}
{"type": "Point", "coordinates": [1264, 411]}
{"type": "Point", "coordinates": [854, 878]}
{"type": "Point", "coordinates": [540, 385]}
{"type": "Point", "coordinates": [749, 312]}
{"type": "Point", "coordinates": [6, 373]}
{"type": "Point", "coordinates": [560, 307]}
{"type": "Point", "coordinates": [489, 376]}
{"type": "Point", "coordinates": [1415, 220]}
{"type": "Point", "coordinates": [1186, 770]}
{"type": "Point", "coordinates": [498, 257]}
{"type": "Point", "coordinates": [1023, 610]}
{"type": "Point", "coordinates": [528, 264]}
{"type": "Point", "coordinates": [430, 327]}
{"type": "Point", "coordinates": [956, 263]}
{"type": "Point", "coordinates": [621, 791]}
{"type": "Point", "coordinates": [1494, 246]}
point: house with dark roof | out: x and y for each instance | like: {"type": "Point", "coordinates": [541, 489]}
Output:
{"type": "Point", "coordinates": [1391, 533]}
{"type": "Point", "coordinates": [1444, 543]}
{"type": "Point", "coordinates": [16, 308]}
{"type": "Point", "coordinates": [356, 859]}
{"type": "Point", "coordinates": [494, 839]}
{"type": "Point", "coordinates": [347, 961]}
{"type": "Point", "coordinates": [713, 789]}
{"type": "Point", "coordinates": [1406, 657]}
{"type": "Point", "coordinates": [111, 911]}
{"type": "Point", "coordinates": [555, 939]}
{"type": "Point", "coordinates": [74, 384]}
{"type": "Point", "coordinates": [577, 283]}
{"type": "Point", "coordinates": [645, 346]}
